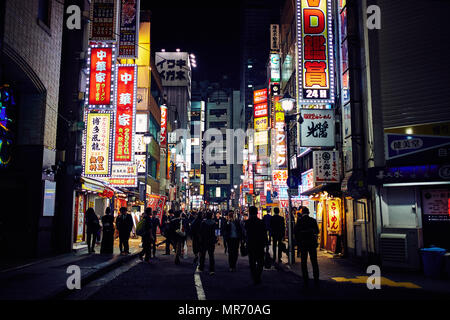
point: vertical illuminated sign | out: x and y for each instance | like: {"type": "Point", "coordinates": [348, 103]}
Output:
{"type": "Point", "coordinates": [280, 145]}
{"type": "Point", "coordinates": [96, 141]}
{"type": "Point", "coordinates": [129, 29]}
{"type": "Point", "coordinates": [99, 89]}
{"type": "Point", "coordinates": [315, 52]}
{"type": "Point", "coordinates": [163, 140]}
{"type": "Point", "coordinates": [126, 81]}
{"type": "Point", "coordinates": [103, 20]}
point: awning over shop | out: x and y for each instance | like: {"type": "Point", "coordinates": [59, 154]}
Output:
{"type": "Point", "coordinates": [94, 185]}
{"type": "Point", "coordinates": [331, 188]}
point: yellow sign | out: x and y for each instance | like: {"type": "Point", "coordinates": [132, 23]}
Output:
{"type": "Point", "coordinates": [261, 138]}
{"type": "Point", "coordinates": [97, 160]}
{"type": "Point", "coordinates": [261, 123]}
{"type": "Point", "coordinates": [202, 189]}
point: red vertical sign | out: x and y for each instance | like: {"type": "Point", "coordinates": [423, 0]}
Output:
{"type": "Point", "coordinates": [163, 140]}
{"type": "Point", "coordinates": [124, 134]}
{"type": "Point", "coordinates": [100, 76]}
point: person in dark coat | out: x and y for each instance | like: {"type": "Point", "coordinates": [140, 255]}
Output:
{"type": "Point", "coordinates": [147, 235]}
{"type": "Point", "coordinates": [305, 232]}
{"type": "Point", "coordinates": [124, 224]}
{"type": "Point", "coordinates": [195, 235]}
{"type": "Point", "coordinates": [208, 241]}
{"type": "Point", "coordinates": [92, 227]}
{"type": "Point", "coordinates": [233, 234]}
{"type": "Point", "coordinates": [108, 232]}
{"type": "Point", "coordinates": [256, 242]}
{"type": "Point", "coordinates": [267, 218]}
{"type": "Point", "coordinates": [278, 227]}
{"type": "Point", "coordinates": [155, 224]}
{"type": "Point", "coordinates": [176, 224]}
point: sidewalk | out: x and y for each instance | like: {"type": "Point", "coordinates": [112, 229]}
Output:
{"type": "Point", "coordinates": [338, 269]}
{"type": "Point", "coordinates": [46, 278]}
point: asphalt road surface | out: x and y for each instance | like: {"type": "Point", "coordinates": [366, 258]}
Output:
{"type": "Point", "coordinates": [161, 279]}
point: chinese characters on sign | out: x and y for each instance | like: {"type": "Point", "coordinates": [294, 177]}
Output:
{"type": "Point", "coordinates": [163, 141]}
{"type": "Point", "coordinates": [279, 135]}
{"type": "Point", "coordinates": [317, 129]}
{"type": "Point", "coordinates": [334, 216]}
{"type": "Point", "coordinates": [97, 136]}
{"type": "Point", "coordinates": [279, 177]}
{"type": "Point", "coordinates": [100, 76]}
{"type": "Point", "coordinates": [174, 68]}
{"type": "Point", "coordinates": [125, 115]}
{"type": "Point", "coordinates": [315, 47]}
{"type": "Point", "coordinates": [129, 28]}
{"type": "Point", "coordinates": [326, 166]}
{"type": "Point", "coordinates": [261, 110]}
{"type": "Point", "coordinates": [261, 123]}
{"type": "Point", "coordinates": [274, 37]}
{"type": "Point", "coordinates": [103, 20]}
{"type": "Point", "coordinates": [259, 96]}
{"type": "Point", "coordinates": [275, 75]}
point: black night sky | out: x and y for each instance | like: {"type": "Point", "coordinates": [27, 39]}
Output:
{"type": "Point", "coordinates": [210, 30]}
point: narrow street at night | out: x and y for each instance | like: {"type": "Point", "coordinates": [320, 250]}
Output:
{"type": "Point", "coordinates": [302, 145]}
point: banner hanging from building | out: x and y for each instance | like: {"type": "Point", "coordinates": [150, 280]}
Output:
{"type": "Point", "coordinates": [126, 113]}
{"type": "Point", "coordinates": [326, 166]}
{"type": "Point", "coordinates": [317, 129]}
{"type": "Point", "coordinates": [103, 20]}
{"type": "Point", "coordinates": [315, 52]}
{"type": "Point", "coordinates": [97, 139]}
{"type": "Point", "coordinates": [100, 83]}
{"type": "Point", "coordinates": [129, 29]}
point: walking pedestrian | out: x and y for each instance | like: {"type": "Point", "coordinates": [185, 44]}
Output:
{"type": "Point", "coordinates": [277, 226]}
{"type": "Point", "coordinates": [108, 232]}
{"type": "Point", "coordinates": [306, 231]}
{"type": "Point", "coordinates": [155, 224]}
{"type": "Point", "coordinates": [256, 242]}
{"type": "Point", "coordinates": [267, 218]}
{"type": "Point", "coordinates": [147, 235]}
{"type": "Point", "coordinates": [195, 236]}
{"type": "Point", "coordinates": [124, 223]}
{"type": "Point", "coordinates": [207, 242]}
{"type": "Point", "coordinates": [92, 227]}
{"type": "Point", "coordinates": [233, 233]}
{"type": "Point", "coordinates": [177, 234]}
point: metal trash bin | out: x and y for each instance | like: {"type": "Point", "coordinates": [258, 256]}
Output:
{"type": "Point", "coordinates": [433, 261]}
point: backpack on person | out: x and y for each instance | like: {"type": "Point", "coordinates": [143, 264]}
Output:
{"type": "Point", "coordinates": [140, 228]}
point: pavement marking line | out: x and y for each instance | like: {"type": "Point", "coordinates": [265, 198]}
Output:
{"type": "Point", "coordinates": [199, 286]}
{"type": "Point", "coordinates": [384, 281]}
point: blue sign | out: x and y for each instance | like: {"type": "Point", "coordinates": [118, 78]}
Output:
{"type": "Point", "coordinates": [399, 145]}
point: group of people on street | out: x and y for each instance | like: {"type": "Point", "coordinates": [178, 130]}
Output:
{"type": "Point", "coordinates": [244, 233]}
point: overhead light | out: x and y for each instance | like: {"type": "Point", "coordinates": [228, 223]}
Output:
{"type": "Point", "coordinates": [409, 131]}
{"type": "Point", "coordinates": [192, 56]}
{"type": "Point", "coordinates": [287, 102]}
{"type": "Point", "coordinates": [178, 50]}
{"type": "Point", "coordinates": [163, 50]}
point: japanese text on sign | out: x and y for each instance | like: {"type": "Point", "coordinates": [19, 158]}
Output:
{"type": "Point", "coordinates": [100, 76]}
{"type": "Point", "coordinates": [316, 75]}
{"type": "Point", "coordinates": [125, 117]}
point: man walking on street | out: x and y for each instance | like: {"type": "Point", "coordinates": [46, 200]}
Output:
{"type": "Point", "coordinates": [256, 241]}
{"type": "Point", "coordinates": [233, 234]}
{"type": "Point", "coordinates": [195, 235]}
{"type": "Point", "coordinates": [278, 227]}
{"type": "Point", "coordinates": [124, 223]}
{"type": "Point", "coordinates": [146, 236]}
{"type": "Point", "coordinates": [155, 224]}
{"type": "Point", "coordinates": [267, 218]}
{"type": "Point", "coordinates": [207, 242]}
{"type": "Point", "coordinates": [306, 231]}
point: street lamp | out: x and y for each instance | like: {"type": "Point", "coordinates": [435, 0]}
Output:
{"type": "Point", "coordinates": [287, 103]}
{"type": "Point", "coordinates": [147, 140]}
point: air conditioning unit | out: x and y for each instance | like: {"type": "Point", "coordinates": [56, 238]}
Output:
{"type": "Point", "coordinates": [394, 250]}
